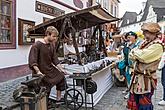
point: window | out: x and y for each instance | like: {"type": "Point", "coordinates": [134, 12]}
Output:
{"type": "Point", "coordinates": [98, 1]}
{"type": "Point", "coordinates": [7, 24]}
{"type": "Point", "coordinates": [105, 4]}
{"type": "Point", "coordinates": [127, 21]}
{"type": "Point", "coordinates": [112, 8]}
{"type": "Point", "coordinates": [23, 26]}
{"type": "Point", "coordinates": [115, 13]}
{"type": "Point", "coordinates": [89, 3]}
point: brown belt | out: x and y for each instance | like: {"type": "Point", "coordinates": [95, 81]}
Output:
{"type": "Point", "coordinates": [136, 72]}
{"type": "Point", "coordinates": [146, 78]}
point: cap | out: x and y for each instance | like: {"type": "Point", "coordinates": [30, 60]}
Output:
{"type": "Point", "coordinates": [151, 27]}
{"type": "Point", "coordinates": [131, 34]}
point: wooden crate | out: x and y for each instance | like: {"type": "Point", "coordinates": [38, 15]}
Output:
{"type": "Point", "coordinates": [33, 103]}
{"type": "Point", "coordinates": [42, 104]}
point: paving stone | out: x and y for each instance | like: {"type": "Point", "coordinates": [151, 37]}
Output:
{"type": "Point", "coordinates": [112, 100]}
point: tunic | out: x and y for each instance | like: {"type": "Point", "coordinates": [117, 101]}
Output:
{"type": "Point", "coordinates": [44, 57]}
{"type": "Point", "coordinates": [144, 78]}
{"type": "Point", "coordinates": [147, 60]}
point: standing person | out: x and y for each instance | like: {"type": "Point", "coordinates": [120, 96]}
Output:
{"type": "Point", "coordinates": [132, 42]}
{"type": "Point", "coordinates": [161, 68]}
{"type": "Point", "coordinates": [146, 59]}
{"type": "Point", "coordinates": [43, 61]}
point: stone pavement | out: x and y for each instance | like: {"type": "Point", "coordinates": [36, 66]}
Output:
{"type": "Point", "coordinates": [6, 90]}
{"type": "Point", "coordinates": [112, 100]}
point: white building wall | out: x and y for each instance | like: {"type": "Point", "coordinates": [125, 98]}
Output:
{"type": "Point", "coordinates": [70, 2]}
{"type": "Point", "coordinates": [134, 27]}
{"type": "Point", "coordinates": [25, 9]}
{"type": "Point", "coordinates": [109, 2]}
{"type": "Point", "coordinates": [151, 17]}
{"type": "Point", "coordinates": [115, 2]}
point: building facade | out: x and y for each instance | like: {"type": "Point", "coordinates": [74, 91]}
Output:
{"type": "Point", "coordinates": [112, 7]}
{"type": "Point", "coordinates": [153, 11]}
{"type": "Point", "coordinates": [16, 17]}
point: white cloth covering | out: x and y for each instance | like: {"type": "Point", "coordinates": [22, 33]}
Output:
{"type": "Point", "coordinates": [70, 49]}
{"type": "Point", "coordinates": [103, 78]}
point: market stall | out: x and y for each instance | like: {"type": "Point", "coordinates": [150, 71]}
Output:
{"type": "Point", "coordinates": [72, 23]}
{"type": "Point", "coordinates": [96, 64]}
{"type": "Point", "coordinates": [102, 77]}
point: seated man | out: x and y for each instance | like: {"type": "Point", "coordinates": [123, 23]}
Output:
{"type": "Point", "coordinates": [43, 61]}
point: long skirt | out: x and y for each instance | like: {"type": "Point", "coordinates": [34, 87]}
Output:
{"type": "Point", "coordinates": [141, 101]}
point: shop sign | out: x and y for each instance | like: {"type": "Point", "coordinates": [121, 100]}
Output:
{"type": "Point", "coordinates": [48, 9]}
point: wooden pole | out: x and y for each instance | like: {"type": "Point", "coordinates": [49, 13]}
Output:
{"type": "Point", "coordinates": [101, 42]}
{"type": "Point", "coordinates": [74, 41]}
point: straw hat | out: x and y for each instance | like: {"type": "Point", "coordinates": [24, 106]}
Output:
{"type": "Point", "coordinates": [151, 27]}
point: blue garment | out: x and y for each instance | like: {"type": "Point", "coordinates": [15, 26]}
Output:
{"type": "Point", "coordinates": [128, 75]}
{"type": "Point", "coordinates": [164, 93]}
{"type": "Point", "coordinates": [140, 101]}
{"type": "Point", "coordinates": [124, 65]}
{"type": "Point", "coordinates": [163, 81]}
{"type": "Point", "coordinates": [126, 52]}
{"type": "Point", "coordinates": [144, 101]}
{"type": "Point", "coordinates": [121, 64]}
{"type": "Point", "coordinates": [128, 62]}
{"type": "Point", "coordinates": [163, 77]}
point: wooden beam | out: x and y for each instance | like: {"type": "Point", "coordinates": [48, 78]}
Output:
{"type": "Point", "coordinates": [61, 33]}
{"type": "Point", "coordinates": [74, 41]}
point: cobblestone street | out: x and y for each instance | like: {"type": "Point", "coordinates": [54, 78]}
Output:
{"type": "Point", "coordinates": [112, 100]}
{"type": "Point", "coordinates": [6, 89]}
{"type": "Point", "coordinates": [74, 54]}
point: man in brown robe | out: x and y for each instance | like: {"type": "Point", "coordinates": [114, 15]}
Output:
{"type": "Point", "coordinates": [43, 61]}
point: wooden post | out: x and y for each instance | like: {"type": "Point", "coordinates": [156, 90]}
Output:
{"type": "Point", "coordinates": [60, 35]}
{"type": "Point", "coordinates": [94, 33]}
{"type": "Point", "coordinates": [101, 42]}
{"type": "Point", "coordinates": [74, 41]}
{"type": "Point", "coordinates": [100, 38]}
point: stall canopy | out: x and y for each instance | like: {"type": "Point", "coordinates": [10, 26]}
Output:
{"type": "Point", "coordinates": [82, 19]}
